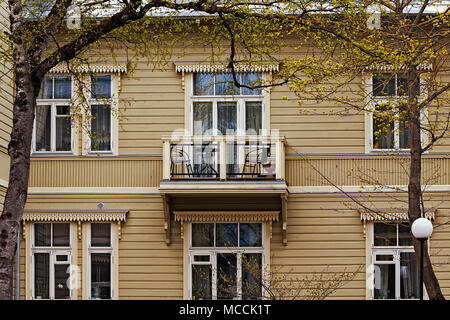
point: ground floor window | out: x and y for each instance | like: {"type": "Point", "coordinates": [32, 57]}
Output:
{"type": "Point", "coordinates": [100, 261]}
{"type": "Point", "coordinates": [50, 259]}
{"type": "Point", "coordinates": [226, 260]}
{"type": "Point", "coordinates": [394, 261]}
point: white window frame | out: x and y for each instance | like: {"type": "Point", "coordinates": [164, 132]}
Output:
{"type": "Point", "coordinates": [112, 106]}
{"type": "Point", "coordinates": [380, 100]}
{"type": "Point", "coordinates": [53, 103]}
{"type": "Point", "coordinates": [213, 251]}
{"type": "Point", "coordinates": [92, 250]}
{"type": "Point", "coordinates": [395, 251]}
{"type": "Point", "coordinates": [240, 108]}
{"type": "Point", "coordinates": [53, 252]}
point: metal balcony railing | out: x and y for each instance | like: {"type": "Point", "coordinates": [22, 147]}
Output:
{"type": "Point", "coordinates": [223, 157]}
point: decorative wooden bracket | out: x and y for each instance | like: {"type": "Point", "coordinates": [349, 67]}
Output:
{"type": "Point", "coordinates": [119, 230]}
{"type": "Point", "coordinates": [166, 204]}
{"type": "Point", "coordinates": [284, 214]}
{"type": "Point", "coordinates": [79, 230]}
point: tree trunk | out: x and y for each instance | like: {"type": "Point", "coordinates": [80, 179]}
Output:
{"type": "Point", "coordinates": [414, 186]}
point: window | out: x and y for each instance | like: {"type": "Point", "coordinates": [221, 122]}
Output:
{"type": "Point", "coordinates": [100, 261]}
{"type": "Point", "coordinates": [219, 107]}
{"type": "Point", "coordinates": [101, 113]}
{"type": "Point", "coordinates": [51, 258]}
{"type": "Point", "coordinates": [53, 127]}
{"type": "Point", "coordinates": [394, 260]}
{"type": "Point", "coordinates": [226, 260]}
{"type": "Point", "coordinates": [389, 119]}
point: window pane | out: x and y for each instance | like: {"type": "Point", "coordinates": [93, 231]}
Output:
{"type": "Point", "coordinates": [203, 84]}
{"type": "Point", "coordinates": [100, 276]}
{"type": "Point", "coordinates": [383, 84]}
{"type": "Point", "coordinates": [404, 131]}
{"type": "Point", "coordinates": [227, 118]}
{"type": "Point", "coordinates": [384, 281]}
{"type": "Point", "coordinates": [42, 234]}
{"type": "Point", "coordinates": [225, 84]}
{"type": "Point", "coordinates": [402, 85]}
{"type": "Point", "coordinates": [63, 88]}
{"type": "Point", "coordinates": [405, 238]}
{"type": "Point", "coordinates": [383, 128]}
{"type": "Point", "coordinates": [253, 118]}
{"type": "Point", "coordinates": [252, 80]}
{"type": "Point", "coordinates": [101, 128]}
{"type": "Point", "coordinates": [202, 118]}
{"type": "Point", "coordinates": [61, 279]}
{"type": "Point", "coordinates": [41, 275]}
{"type": "Point", "coordinates": [101, 87]}
{"type": "Point", "coordinates": [46, 91]}
{"type": "Point", "coordinates": [63, 132]}
{"type": "Point", "coordinates": [203, 234]}
{"type": "Point", "coordinates": [250, 235]}
{"type": "Point", "coordinates": [100, 234]}
{"type": "Point", "coordinates": [61, 235]}
{"type": "Point", "coordinates": [43, 128]}
{"type": "Point", "coordinates": [409, 282]}
{"type": "Point", "coordinates": [201, 282]}
{"type": "Point", "coordinates": [226, 276]}
{"type": "Point", "coordinates": [385, 234]}
{"type": "Point", "coordinates": [251, 276]}
{"type": "Point", "coordinates": [226, 235]}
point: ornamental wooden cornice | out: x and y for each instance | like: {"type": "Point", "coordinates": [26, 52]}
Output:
{"type": "Point", "coordinates": [226, 216]}
{"type": "Point", "coordinates": [107, 68]}
{"type": "Point", "coordinates": [392, 215]}
{"type": "Point", "coordinates": [222, 67]}
{"type": "Point", "coordinates": [79, 216]}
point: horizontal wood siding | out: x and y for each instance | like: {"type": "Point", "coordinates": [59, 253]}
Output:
{"type": "Point", "coordinates": [363, 170]}
{"type": "Point", "coordinates": [323, 237]}
{"type": "Point", "coordinates": [96, 172]}
{"type": "Point", "coordinates": [6, 83]}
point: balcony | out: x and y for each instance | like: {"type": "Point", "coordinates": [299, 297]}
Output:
{"type": "Point", "coordinates": [223, 163]}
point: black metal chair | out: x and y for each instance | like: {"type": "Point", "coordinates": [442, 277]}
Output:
{"type": "Point", "coordinates": [255, 159]}
{"type": "Point", "coordinates": [180, 157]}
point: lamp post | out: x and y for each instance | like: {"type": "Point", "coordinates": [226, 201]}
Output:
{"type": "Point", "coordinates": [421, 229]}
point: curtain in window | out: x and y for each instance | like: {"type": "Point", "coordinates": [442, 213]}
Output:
{"type": "Point", "coordinates": [101, 276]}
{"type": "Point", "coordinates": [101, 128]}
{"type": "Point", "coordinates": [383, 127]}
{"type": "Point", "coordinates": [63, 128]}
{"type": "Point", "coordinates": [253, 118]}
{"type": "Point", "coordinates": [43, 128]}
{"type": "Point", "coordinates": [409, 284]}
{"type": "Point", "coordinates": [41, 275]}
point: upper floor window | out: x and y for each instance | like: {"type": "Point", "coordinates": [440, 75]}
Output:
{"type": "Point", "coordinates": [390, 129]}
{"type": "Point", "coordinates": [219, 107]}
{"type": "Point", "coordinates": [53, 127]}
{"type": "Point", "coordinates": [100, 117]}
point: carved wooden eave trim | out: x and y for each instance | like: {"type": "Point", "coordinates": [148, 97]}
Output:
{"type": "Point", "coordinates": [226, 216]}
{"type": "Point", "coordinates": [222, 67]}
{"type": "Point", "coordinates": [392, 215]}
{"type": "Point", "coordinates": [380, 67]}
{"type": "Point", "coordinates": [63, 68]}
{"type": "Point", "coordinates": [75, 215]}
{"type": "Point", "coordinates": [79, 216]}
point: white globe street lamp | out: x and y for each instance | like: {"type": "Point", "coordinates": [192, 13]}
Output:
{"type": "Point", "coordinates": [421, 229]}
